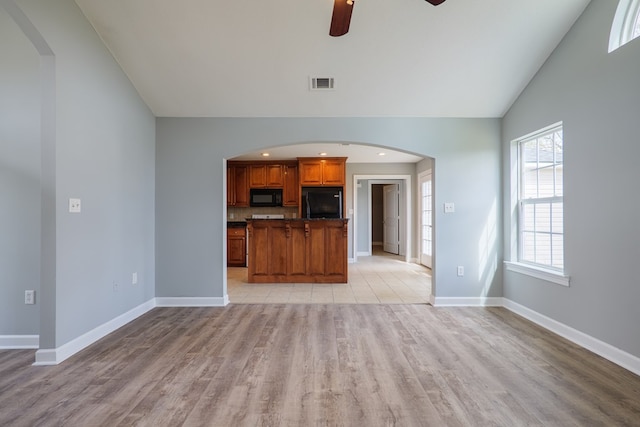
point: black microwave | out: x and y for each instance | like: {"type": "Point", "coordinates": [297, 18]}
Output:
{"type": "Point", "coordinates": [265, 197]}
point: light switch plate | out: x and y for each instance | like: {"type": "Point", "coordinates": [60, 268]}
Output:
{"type": "Point", "coordinates": [30, 297]}
{"type": "Point", "coordinates": [75, 206]}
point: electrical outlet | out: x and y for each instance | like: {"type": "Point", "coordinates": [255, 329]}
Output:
{"type": "Point", "coordinates": [449, 207]}
{"type": "Point", "coordinates": [460, 271]}
{"type": "Point", "coordinates": [30, 297]}
{"type": "Point", "coordinates": [134, 279]}
{"type": "Point", "coordinates": [75, 205]}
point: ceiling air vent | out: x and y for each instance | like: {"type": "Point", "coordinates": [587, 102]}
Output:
{"type": "Point", "coordinates": [322, 83]}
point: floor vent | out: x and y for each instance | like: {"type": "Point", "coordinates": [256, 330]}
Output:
{"type": "Point", "coordinates": [322, 83]}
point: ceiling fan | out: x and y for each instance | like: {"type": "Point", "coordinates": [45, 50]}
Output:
{"type": "Point", "coordinates": [341, 17]}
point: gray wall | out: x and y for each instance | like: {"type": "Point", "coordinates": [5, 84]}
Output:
{"type": "Point", "coordinates": [362, 220]}
{"type": "Point", "coordinates": [104, 151]}
{"type": "Point", "coordinates": [596, 95]}
{"type": "Point", "coordinates": [19, 179]}
{"type": "Point", "coordinates": [191, 207]}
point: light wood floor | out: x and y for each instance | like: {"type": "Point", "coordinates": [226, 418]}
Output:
{"type": "Point", "coordinates": [376, 279]}
{"type": "Point", "coordinates": [322, 365]}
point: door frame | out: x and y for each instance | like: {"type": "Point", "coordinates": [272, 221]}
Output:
{"type": "Point", "coordinates": [421, 176]}
{"type": "Point", "coordinates": [406, 213]}
{"type": "Point", "coordinates": [394, 205]}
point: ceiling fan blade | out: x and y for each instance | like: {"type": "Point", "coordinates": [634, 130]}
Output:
{"type": "Point", "coordinates": [341, 18]}
{"type": "Point", "coordinates": [436, 2]}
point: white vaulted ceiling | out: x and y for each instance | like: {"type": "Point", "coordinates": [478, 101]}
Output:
{"type": "Point", "coordinates": [253, 58]}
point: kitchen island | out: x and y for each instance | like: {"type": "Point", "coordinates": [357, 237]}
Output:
{"type": "Point", "coordinates": [297, 250]}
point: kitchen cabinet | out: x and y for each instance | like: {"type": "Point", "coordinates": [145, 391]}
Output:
{"type": "Point", "coordinates": [326, 250]}
{"type": "Point", "coordinates": [236, 245]}
{"type": "Point", "coordinates": [291, 190]}
{"type": "Point", "coordinates": [237, 186]}
{"type": "Point", "coordinates": [267, 250]}
{"type": "Point", "coordinates": [288, 175]}
{"type": "Point", "coordinates": [325, 171]}
{"type": "Point", "coordinates": [297, 251]}
{"type": "Point", "coordinates": [266, 176]}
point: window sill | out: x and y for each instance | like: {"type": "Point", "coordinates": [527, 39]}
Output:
{"type": "Point", "coordinates": [539, 273]}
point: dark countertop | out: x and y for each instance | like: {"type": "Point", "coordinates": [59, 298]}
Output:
{"type": "Point", "coordinates": [236, 224]}
{"type": "Point", "coordinates": [297, 219]}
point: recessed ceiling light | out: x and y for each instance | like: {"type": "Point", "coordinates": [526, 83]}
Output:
{"type": "Point", "coordinates": [264, 154]}
{"type": "Point", "coordinates": [382, 154]}
{"type": "Point", "coordinates": [322, 154]}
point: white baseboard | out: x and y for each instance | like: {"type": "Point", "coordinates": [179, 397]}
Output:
{"type": "Point", "coordinates": [192, 301]}
{"type": "Point", "coordinates": [601, 348]}
{"type": "Point", "coordinates": [59, 354]}
{"type": "Point", "coordinates": [609, 352]}
{"type": "Point", "coordinates": [364, 253]}
{"type": "Point", "coordinates": [19, 342]}
{"type": "Point", "coordinates": [467, 302]}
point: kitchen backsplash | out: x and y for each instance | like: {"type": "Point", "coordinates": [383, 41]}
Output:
{"type": "Point", "coordinates": [239, 214]}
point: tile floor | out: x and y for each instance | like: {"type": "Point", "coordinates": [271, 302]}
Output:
{"type": "Point", "coordinates": [377, 279]}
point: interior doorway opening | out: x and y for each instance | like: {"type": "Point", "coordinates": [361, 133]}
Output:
{"type": "Point", "coordinates": [367, 212]}
{"type": "Point", "coordinates": [385, 219]}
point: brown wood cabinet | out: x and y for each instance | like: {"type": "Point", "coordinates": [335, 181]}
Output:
{"type": "Point", "coordinates": [266, 175]}
{"type": "Point", "coordinates": [291, 189]}
{"type": "Point", "coordinates": [237, 186]}
{"type": "Point", "coordinates": [297, 251]}
{"type": "Point", "coordinates": [327, 250]}
{"type": "Point", "coordinates": [236, 246]}
{"type": "Point", "coordinates": [288, 175]}
{"type": "Point", "coordinates": [328, 171]}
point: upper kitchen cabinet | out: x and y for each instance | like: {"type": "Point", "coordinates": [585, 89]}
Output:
{"type": "Point", "coordinates": [237, 186]}
{"type": "Point", "coordinates": [266, 175]}
{"type": "Point", "coordinates": [325, 171]}
{"type": "Point", "coordinates": [291, 190]}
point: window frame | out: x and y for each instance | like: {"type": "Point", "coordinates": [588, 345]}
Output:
{"type": "Point", "coordinates": [517, 264]}
{"type": "Point", "coordinates": [625, 24]}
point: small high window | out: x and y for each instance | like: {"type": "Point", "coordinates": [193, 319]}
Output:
{"type": "Point", "coordinates": [626, 24]}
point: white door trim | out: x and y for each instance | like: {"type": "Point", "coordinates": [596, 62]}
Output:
{"type": "Point", "coordinates": [421, 178]}
{"type": "Point", "coordinates": [391, 218]}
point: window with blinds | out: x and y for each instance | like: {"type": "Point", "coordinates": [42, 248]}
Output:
{"type": "Point", "coordinates": [540, 201]}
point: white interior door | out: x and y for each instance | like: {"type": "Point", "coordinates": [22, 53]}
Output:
{"type": "Point", "coordinates": [391, 202]}
{"type": "Point", "coordinates": [426, 218]}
